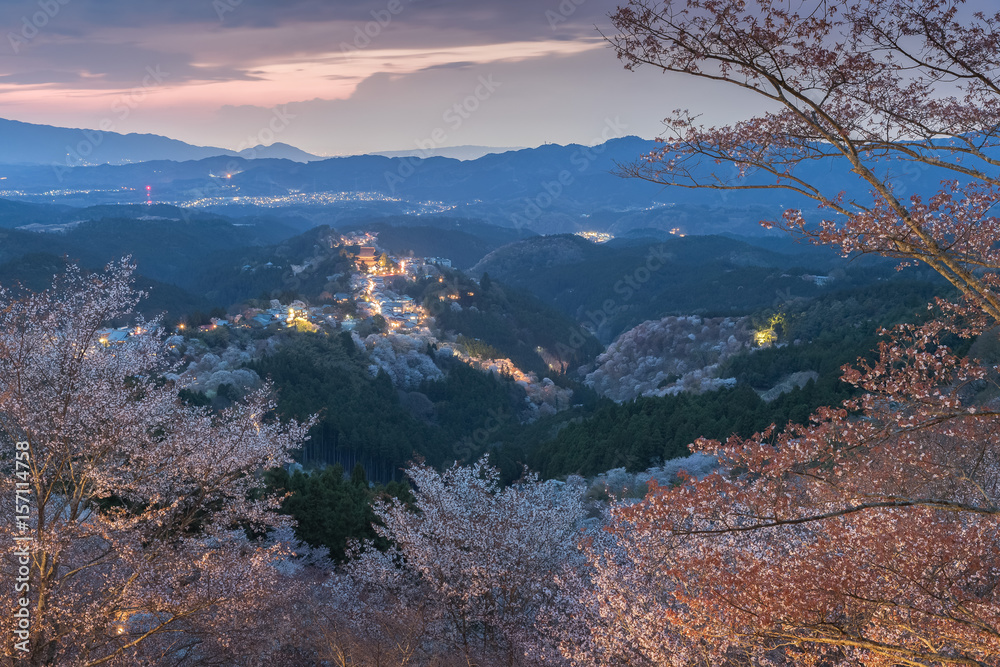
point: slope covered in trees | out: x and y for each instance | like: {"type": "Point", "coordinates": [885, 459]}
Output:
{"type": "Point", "coordinates": [532, 334]}
{"type": "Point", "coordinates": [139, 526]}
{"type": "Point", "coordinates": [832, 331]}
{"type": "Point", "coordinates": [866, 536]}
{"type": "Point", "coordinates": [614, 287]}
{"type": "Point", "coordinates": [330, 377]}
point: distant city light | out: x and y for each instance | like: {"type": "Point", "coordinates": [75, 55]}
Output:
{"type": "Point", "coordinates": [596, 237]}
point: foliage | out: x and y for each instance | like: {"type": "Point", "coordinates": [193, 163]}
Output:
{"type": "Point", "coordinates": [830, 331]}
{"type": "Point", "coordinates": [509, 320]}
{"type": "Point", "coordinates": [674, 353]}
{"type": "Point", "coordinates": [315, 374]}
{"type": "Point", "coordinates": [868, 534]}
{"type": "Point", "coordinates": [467, 400]}
{"type": "Point", "coordinates": [329, 376]}
{"type": "Point", "coordinates": [475, 562]}
{"type": "Point", "coordinates": [176, 249]}
{"type": "Point", "coordinates": [34, 271]}
{"type": "Point", "coordinates": [650, 430]}
{"type": "Point", "coordinates": [244, 273]}
{"type": "Point", "coordinates": [614, 287]}
{"type": "Point", "coordinates": [477, 348]}
{"type": "Point", "coordinates": [330, 509]}
{"type": "Point", "coordinates": [138, 506]}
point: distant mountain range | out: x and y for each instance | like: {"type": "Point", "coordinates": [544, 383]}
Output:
{"type": "Point", "coordinates": [278, 151]}
{"type": "Point", "coordinates": [454, 152]}
{"type": "Point", "coordinates": [30, 144]}
{"type": "Point", "coordinates": [548, 189]}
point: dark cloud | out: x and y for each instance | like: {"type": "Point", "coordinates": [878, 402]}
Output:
{"type": "Point", "coordinates": [213, 39]}
{"type": "Point", "coordinates": [456, 65]}
{"type": "Point", "coordinates": [400, 65]}
{"type": "Point", "coordinates": [96, 64]}
{"type": "Point", "coordinates": [523, 19]}
{"type": "Point", "coordinates": [561, 100]}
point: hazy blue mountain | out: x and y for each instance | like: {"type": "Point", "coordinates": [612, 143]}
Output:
{"type": "Point", "coordinates": [279, 151]}
{"type": "Point", "coordinates": [455, 152]}
{"type": "Point", "coordinates": [31, 144]}
{"type": "Point", "coordinates": [556, 180]}
{"type": "Point", "coordinates": [549, 189]}
{"type": "Point", "coordinates": [16, 214]}
{"type": "Point", "coordinates": [27, 143]}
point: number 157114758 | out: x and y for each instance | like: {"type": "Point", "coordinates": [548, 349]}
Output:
{"type": "Point", "coordinates": [23, 491]}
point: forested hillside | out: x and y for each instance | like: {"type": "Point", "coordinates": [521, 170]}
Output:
{"type": "Point", "coordinates": [613, 287]}
{"type": "Point", "coordinates": [820, 336]}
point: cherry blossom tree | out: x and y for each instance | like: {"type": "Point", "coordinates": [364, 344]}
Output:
{"type": "Point", "coordinates": [472, 566]}
{"type": "Point", "coordinates": [140, 543]}
{"type": "Point", "coordinates": [868, 536]}
{"type": "Point", "coordinates": [879, 91]}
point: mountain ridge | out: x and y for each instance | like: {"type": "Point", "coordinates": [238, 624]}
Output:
{"type": "Point", "coordinates": [36, 144]}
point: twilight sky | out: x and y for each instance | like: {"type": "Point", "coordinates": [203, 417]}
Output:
{"type": "Point", "coordinates": [335, 77]}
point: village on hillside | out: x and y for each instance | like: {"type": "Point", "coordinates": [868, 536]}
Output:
{"type": "Point", "coordinates": [393, 320]}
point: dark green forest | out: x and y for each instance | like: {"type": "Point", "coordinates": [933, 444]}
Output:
{"type": "Point", "coordinates": [328, 376]}
{"type": "Point", "coordinates": [330, 507]}
{"type": "Point", "coordinates": [511, 321]}
{"type": "Point", "coordinates": [527, 305]}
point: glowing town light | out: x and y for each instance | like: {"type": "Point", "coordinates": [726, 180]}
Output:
{"type": "Point", "coordinates": [766, 335]}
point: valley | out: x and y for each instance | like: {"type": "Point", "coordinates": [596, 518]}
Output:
{"type": "Point", "coordinates": [447, 322]}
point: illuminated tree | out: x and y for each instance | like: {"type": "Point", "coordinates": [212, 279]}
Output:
{"type": "Point", "coordinates": [766, 334]}
{"type": "Point", "coordinates": [870, 535]}
{"type": "Point", "coordinates": [877, 90]}
{"type": "Point", "coordinates": [470, 570]}
{"type": "Point", "coordinates": [141, 518]}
